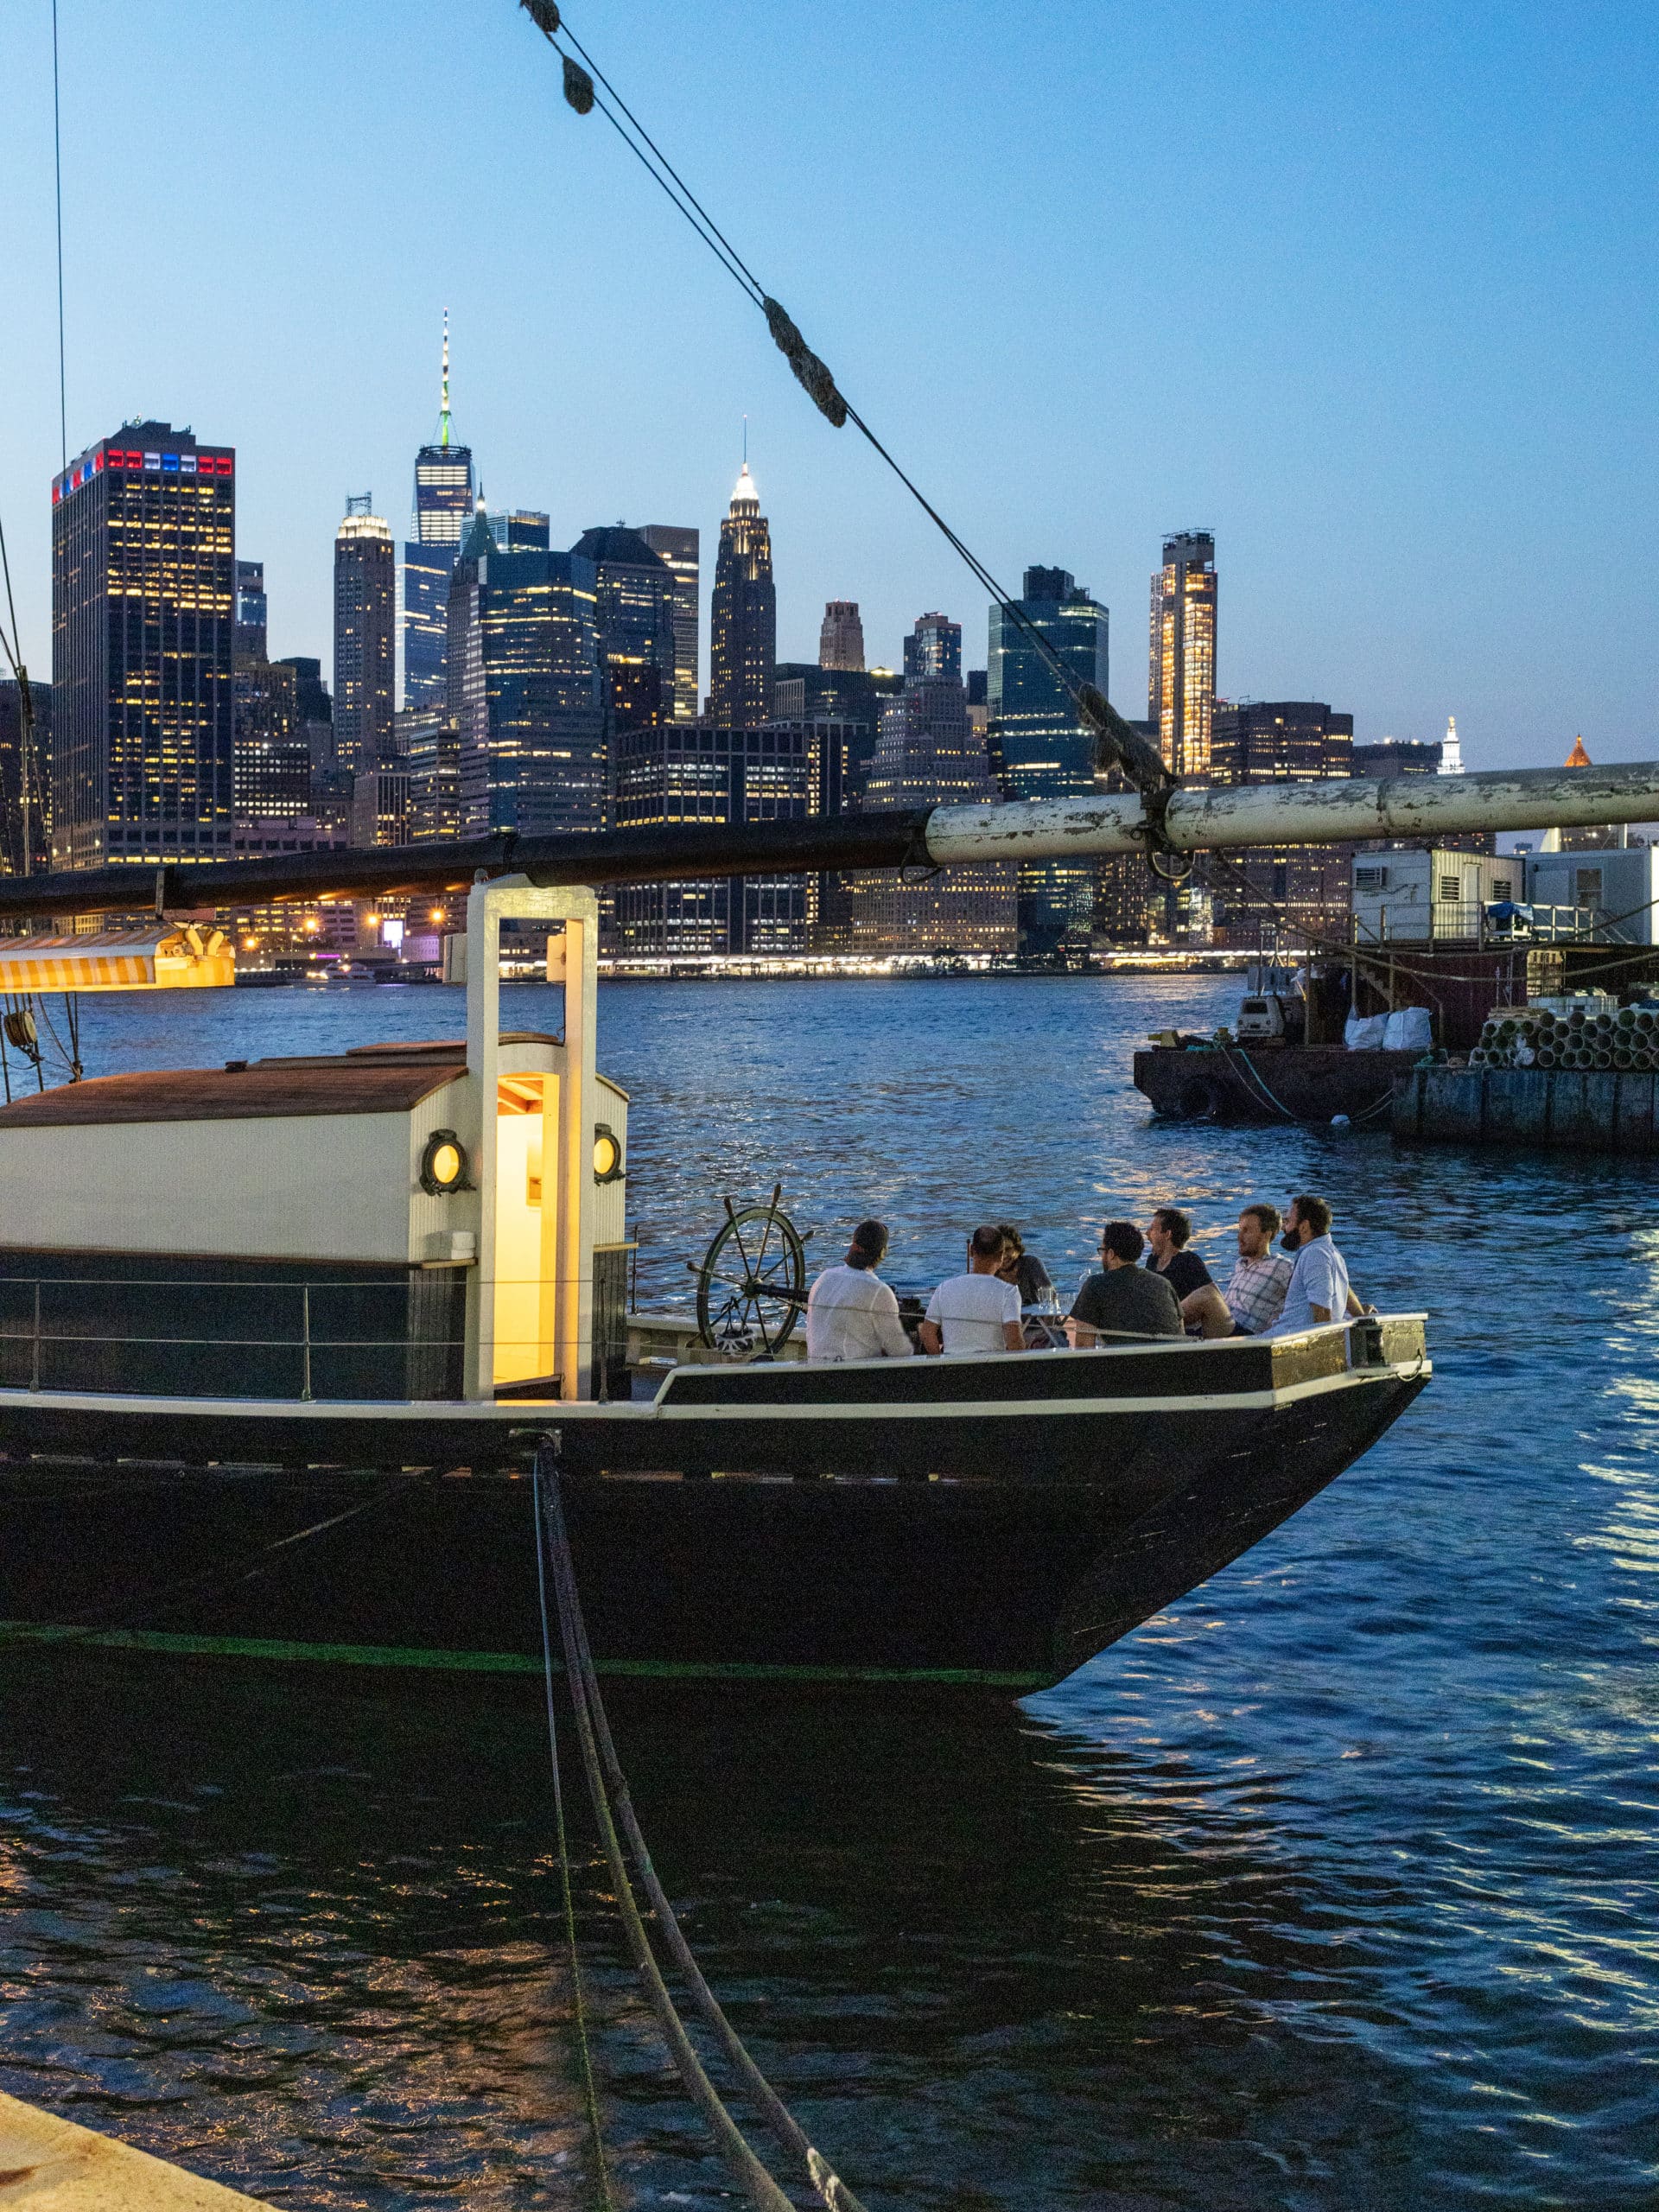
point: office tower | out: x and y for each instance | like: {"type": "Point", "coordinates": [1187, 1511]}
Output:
{"type": "Point", "coordinates": [364, 603]}
{"type": "Point", "coordinates": [1280, 741]}
{"type": "Point", "coordinates": [1181, 690]}
{"type": "Point", "coordinates": [143, 617]}
{"type": "Point", "coordinates": [1038, 749]}
{"type": "Point", "coordinates": [743, 627]}
{"type": "Point", "coordinates": [930, 754]}
{"type": "Point", "coordinates": [443, 510]}
{"type": "Point", "coordinates": [272, 778]}
{"type": "Point", "coordinates": [250, 643]}
{"type": "Point", "coordinates": [1396, 756]}
{"type": "Point", "coordinates": [524, 688]}
{"type": "Point", "coordinates": [707, 772]}
{"type": "Point", "coordinates": [634, 621]}
{"type": "Point", "coordinates": [1451, 750]}
{"type": "Point", "coordinates": [429, 740]}
{"type": "Point", "coordinates": [680, 549]}
{"type": "Point", "coordinates": [519, 530]}
{"type": "Point", "coordinates": [841, 641]}
{"type": "Point", "coordinates": [15, 763]}
{"type": "Point", "coordinates": [804, 692]}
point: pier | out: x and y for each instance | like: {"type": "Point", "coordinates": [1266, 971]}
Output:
{"type": "Point", "coordinates": [1595, 1110]}
{"type": "Point", "coordinates": [54, 2165]}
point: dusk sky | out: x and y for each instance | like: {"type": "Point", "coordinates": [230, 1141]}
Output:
{"type": "Point", "coordinates": [1368, 292]}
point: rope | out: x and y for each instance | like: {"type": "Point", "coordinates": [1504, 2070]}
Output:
{"type": "Point", "coordinates": [589, 2092]}
{"type": "Point", "coordinates": [601, 1762]}
{"type": "Point", "coordinates": [1117, 744]}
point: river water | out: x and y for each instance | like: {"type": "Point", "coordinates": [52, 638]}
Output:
{"type": "Point", "coordinates": [1332, 1889]}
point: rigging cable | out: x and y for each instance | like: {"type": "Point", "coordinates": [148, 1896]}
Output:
{"type": "Point", "coordinates": [599, 1761]}
{"type": "Point", "coordinates": [1117, 743]}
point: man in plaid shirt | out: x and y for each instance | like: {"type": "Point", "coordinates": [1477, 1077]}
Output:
{"type": "Point", "coordinates": [1255, 1295]}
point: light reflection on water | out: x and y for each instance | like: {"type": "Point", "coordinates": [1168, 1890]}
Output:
{"type": "Point", "coordinates": [1332, 1887]}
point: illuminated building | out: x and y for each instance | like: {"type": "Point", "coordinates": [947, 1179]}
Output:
{"type": "Point", "coordinates": [743, 627]}
{"type": "Point", "coordinates": [705, 772]}
{"type": "Point", "coordinates": [635, 625]}
{"type": "Point", "coordinates": [143, 617]}
{"type": "Point", "coordinates": [1451, 749]}
{"type": "Point", "coordinates": [272, 777]}
{"type": "Point", "coordinates": [429, 740]}
{"type": "Point", "coordinates": [524, 687]}
{"type": "Point", "coordinates": [930, 754]}
{"type": "Point", "coordinates": [1038, 749]}
{"type": "Point", "coordinates": [1181, 689]}
{"type": "Point", "coordinates": [841, 640]}
{"type": "Point", "coordinates": [251, 610]}
{"type": "Point", "coordinates": [442, 509]}
{"type": "Point", "coordinates": [366, 590]}
{"type": "Point", "coordinates": [1280, 741]}
{"type": "Point", "coordinates": [680, 549]}
{"type": "Point", "coordinates": [11, 771]}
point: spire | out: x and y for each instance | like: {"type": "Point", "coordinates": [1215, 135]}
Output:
{"type": "Point", "coordinates": [1451, 750]}
{"type": "Point", "coordinates": [745, 491]}
{"type": "Point", "coordinates": [443, 389]}
{"type": "Point", "coordinates": [1578, 758]}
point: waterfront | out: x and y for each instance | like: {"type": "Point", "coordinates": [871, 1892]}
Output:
{"type": "Point", "coordinates": [1332, 1887]}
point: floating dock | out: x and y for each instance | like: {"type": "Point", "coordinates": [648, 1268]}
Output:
{"type": "Point", "coordinates": [1554, 1109]}
{"type": "Point", "coordinates": [53, 2165]}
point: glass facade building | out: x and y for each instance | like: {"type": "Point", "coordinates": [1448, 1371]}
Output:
{"type": "Point", "coordinates": [144, 620]}
{"type": "Point", "coordinates": [1181, 675]}
{"type": "Point", "coordinates": [524, 688]}
{"type": "Point", "coordinates": [444, 494]}
{"type": "Point", "coordinates": [365, 591]}
{"type": "Point", "coordinates": [743, 627]}
{"type": "Point", "coordinates": [1038, 747]}
{"type": "Point", "coordinates": [635, 615]}
{"type": "Point", "coordinates": [682, 549]}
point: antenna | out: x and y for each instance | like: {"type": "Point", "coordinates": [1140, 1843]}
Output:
{"type": "Point", "coordinates": [359, 503]}
{"type": "Point", "coordinates": [443, 393]}
{"type": "Point", "coordinates": [746, 442]}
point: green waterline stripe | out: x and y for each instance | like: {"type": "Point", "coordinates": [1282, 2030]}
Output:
{"type": "Point", "coordinates": [497, 1662]}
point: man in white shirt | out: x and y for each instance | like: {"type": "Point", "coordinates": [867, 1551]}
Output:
{"type": "Point", "coordinates": [850, 1312]}
{"type": "Point", "coordinates": [977, 1312]}
{"type": "Point", "coordinates": [1319, 1290]}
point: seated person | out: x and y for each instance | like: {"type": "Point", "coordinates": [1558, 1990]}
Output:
{"type": "Point", "coordinates": [977, 1312]}
{"type": "Point", "coordinates": [1125, 1297]}
{"type": "Point", "coordinates": [850, 1312]}
{"type": "Point", "coordinates": [1204, 1310]}
{"type": "Point", "coordinates": [1022, 1269]}
{"type": "Point", "coordinates": [1255, 1292]}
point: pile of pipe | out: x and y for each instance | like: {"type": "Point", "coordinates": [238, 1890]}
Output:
{"type": "Point", "coordinates": [1534, 1038]}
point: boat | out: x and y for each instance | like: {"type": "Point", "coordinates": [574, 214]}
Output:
{"type": "Point", "coordinates": [279, 1341]}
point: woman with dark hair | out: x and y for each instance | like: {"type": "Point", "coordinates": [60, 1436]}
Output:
{"type": "Point", "coordinates": [1022, 1269]}
{"type": "Point", "coordinates": [850, 1312]}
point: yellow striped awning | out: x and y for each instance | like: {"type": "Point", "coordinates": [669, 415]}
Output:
{"type": "Point", "coordinates": [165, 957]}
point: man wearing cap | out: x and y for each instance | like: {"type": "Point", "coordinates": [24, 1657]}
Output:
{"type": "Point", "coordinates": [850, 1312]}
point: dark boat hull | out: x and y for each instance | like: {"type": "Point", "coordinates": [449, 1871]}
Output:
{"type": "Point", "coordinates": [1272, 1082]}
{"type": "Point", "coordinates": [1049, 1529]}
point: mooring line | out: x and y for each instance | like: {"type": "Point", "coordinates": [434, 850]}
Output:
{"type": "Point", "coordinates": [592, 1730]}
{"type": "Point", "coordinates": [589, 2090]}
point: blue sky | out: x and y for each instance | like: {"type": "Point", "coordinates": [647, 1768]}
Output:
{"type": "Point", "coordinates": [1368, 291]}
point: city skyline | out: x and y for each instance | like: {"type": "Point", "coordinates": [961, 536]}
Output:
{"type": "Point", "coordinates": [1461, 208]}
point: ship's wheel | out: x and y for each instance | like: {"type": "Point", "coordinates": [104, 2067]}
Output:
{"type": "Point", "coordinates": [752, 1284]}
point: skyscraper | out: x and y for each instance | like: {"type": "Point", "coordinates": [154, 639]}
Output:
{"type": "Point", "coordinates": [841, 640]}
{"type": "Point", "coordinates": [22, 762]}
{"type": "Point", "coordinates": [680, 548]}
{"type": "Point", "coordinates": [1280, 741]}
{"type": "Point", "coordinates": [930, 754]}
{"type": "Point", "coordinates": [743, 629]}
{"type": "Point", "coordinates": [143, 617]}
{"type": "Point", "coordinates": [251, 610]}
{"type": "Point", "coordinates": [634, 620]}
{"type": "Point", "coordinates": [524, 687]}
{"type": "Point", "coordinates": [364, 603]}
{"type": "Point", "coordinates": [1038, 749]}
{"type": "Point", "coordinates": [1451, 749]}
{"type": "Point", "coordinates": [1181, 686]}
{"type": "Point", "coordinates": [443, 508]}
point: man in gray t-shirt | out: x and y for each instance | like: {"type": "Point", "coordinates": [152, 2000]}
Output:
{"type": "Point", "coordinates": [1125, 1297]}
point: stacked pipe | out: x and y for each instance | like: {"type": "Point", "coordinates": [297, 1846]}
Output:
{"type": "Point", "coordinates": [1528, 1037]}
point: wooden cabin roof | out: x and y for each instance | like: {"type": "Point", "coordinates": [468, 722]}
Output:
{"type": "Point", "coordinates": [265, 1090]}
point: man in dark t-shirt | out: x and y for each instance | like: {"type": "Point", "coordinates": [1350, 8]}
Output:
{"type": "Point", "coordinates": [1204, 1310]}
{"type": "Point", "coordinates": [1124, 1297]}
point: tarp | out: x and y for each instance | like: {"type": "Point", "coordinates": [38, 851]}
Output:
{"type": "Point", "coordinates": [162, 957]}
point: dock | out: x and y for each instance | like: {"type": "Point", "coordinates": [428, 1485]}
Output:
{"type": "Point", "coordinates": [1554, 1109]}
{"type": "Point", "coordinates": [50, 2164]}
